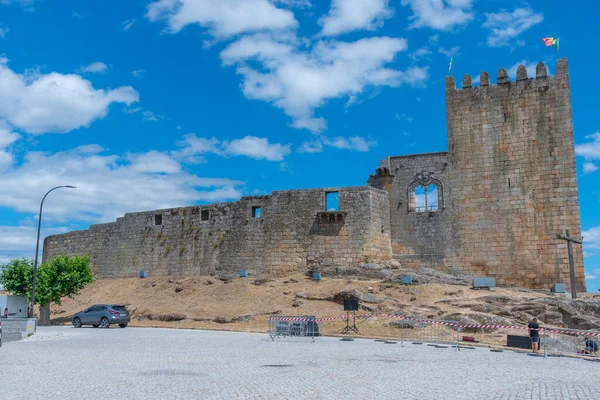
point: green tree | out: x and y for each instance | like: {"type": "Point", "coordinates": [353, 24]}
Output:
{"type": "Point", "coordinates": [60, 277]}
{"type": "Point", "coordinates": [16, 277]}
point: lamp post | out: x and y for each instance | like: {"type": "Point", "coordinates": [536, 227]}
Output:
{"type": "Point", "coordinates": [37, 246]}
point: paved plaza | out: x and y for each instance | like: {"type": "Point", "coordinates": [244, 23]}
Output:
{"type": "Point", "coordinates": [137, 363]}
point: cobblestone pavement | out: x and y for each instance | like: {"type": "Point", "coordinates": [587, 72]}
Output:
{"type": "Point", "coordinates": [69, 363]}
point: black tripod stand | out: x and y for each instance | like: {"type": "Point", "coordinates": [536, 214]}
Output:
{"type": "Point", "coordinates": [349, 328]}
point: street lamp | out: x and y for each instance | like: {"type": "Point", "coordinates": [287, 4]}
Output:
{"type": "Point", "coordinates": [37, 246]}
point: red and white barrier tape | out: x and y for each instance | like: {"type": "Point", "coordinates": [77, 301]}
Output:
{"type": "Point", "coordinates": [445, 323]}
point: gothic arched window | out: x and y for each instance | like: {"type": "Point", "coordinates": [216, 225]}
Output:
{"type": "Point", "coordinates": [425, 193]}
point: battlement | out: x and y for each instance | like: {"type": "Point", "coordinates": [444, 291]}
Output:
{"type": "Point", "coordinates": [502, 79]}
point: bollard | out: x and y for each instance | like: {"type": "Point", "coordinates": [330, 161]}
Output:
{"type": "Point", "coordinates": [458, 338]}
{"type": "Point", "coordinates": [545, 342]}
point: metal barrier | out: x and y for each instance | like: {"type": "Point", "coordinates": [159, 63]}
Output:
{"type": "Point", "coordinates": [288, 326]}
{"type": "Point", "coordinates": [429, 331]}
{"type": "Point", "coordinates": [571, 342]}
{"type": "Point", "coordinates": [553, 341]}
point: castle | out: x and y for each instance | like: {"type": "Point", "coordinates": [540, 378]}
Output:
{"type": "Point", "coordinates": [490, 206]}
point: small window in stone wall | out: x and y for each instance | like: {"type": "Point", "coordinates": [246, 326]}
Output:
{"type": "Point", "coordinates": [425, 193]}
{"type": "Point", "coordinates": [426, 198]}
{"type": "Point", "coordinates": [332, 201]}
{"type": "Point", "coordinates": [158, 219]}
{"type": "Point", "coordinates": [204, 215]}
{"type": "Point", "coordinates": [256, 212]}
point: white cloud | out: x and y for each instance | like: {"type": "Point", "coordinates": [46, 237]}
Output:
{"type": "Point", "coordinates": [591, 277]}
{"type": "Point", "coordinates": [79, 15]}
{"type": "Point", "coordinates": [314, 146]}
{"type": "Point", "coordinates": [223, 18]}
{"type": "Point", "coordinates": [138, 72]}
{"type": "Point", "coordinates": [3, 31]}
{"type": "Point", "coordinates": [249, 146]}
{"type": "Point", "coordinates": [257, 148]}
{"type": "Point", "coordinates": [152, 117]}
{"type": "Point", "coordinates": [434, 38]}
{"type": "Point", "coordinates": [300, 81]}
{"type": "Point", "coordinates": [420, 53]}
{"type": "Point", "coordinates": [294, 3]}
{"type": "Point", "coordinates": [353, 143]}
{"type": "Point", "coordinates": [131, 110]}
{"type": "Point", "coordinates": [404, 116]}
{"type": "Point", "coordinates": [589, 150]}
{"type": "Point", "coordinates": [504, 25]}
{"type": "Point", "coordinates": [439, 14]}
{"type": "Point", "coordinates": [55, 102]}
{"type": "Point", "coordinates": [108, 185]}
{"type": "Point", "coordinates": [350, 15]}
{"type": "Point", "coordinates": [95, 68]}
{"type": "Point", "coordinates": [154, 162]}
{"type": "Point", "coordinates": [589, 167]}
{"type": "Point", "coordinates": [128, 24]}
{"type": "Point", "coordinates": [454, 51]}
{"type": "Point", "coordinates": [529, 66]}
{"type": "Point", "coordinates": [591, 238]}
{"type": "Point", "coordinates": [7, 138]}
{"type": "Point", "coordinates": [20, 238]}
{"type": "Point", "coordinates": [192, 146]}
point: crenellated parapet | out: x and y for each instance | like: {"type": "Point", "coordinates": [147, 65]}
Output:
{"type": "Point", "coordinates": [502, 78]}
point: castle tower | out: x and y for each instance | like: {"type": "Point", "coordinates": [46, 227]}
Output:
{"type": "Point", "coordinates": [513, 177]}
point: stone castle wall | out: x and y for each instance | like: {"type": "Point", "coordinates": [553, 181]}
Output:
{"type": "Point", "coordinates": [293, 233]}
{"type": "Point", "coordinates": [508, 184]}
{"type": "Point", "coordinates": [506, 187]}
{"type": "Point", "coordinates": [512, 166]}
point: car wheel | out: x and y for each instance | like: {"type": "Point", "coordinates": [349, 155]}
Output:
{"type": "Point", "coordinates": [95, 326]}
{"type": "Point", "coordinates": [123, 325]}
{"type": "Point", "coordinates": [77, 323]}
{"type": "Point", "coordinates": [104, 322]}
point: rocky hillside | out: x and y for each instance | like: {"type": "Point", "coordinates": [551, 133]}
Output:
{"type": "Point", "coordinates": [245, 304]}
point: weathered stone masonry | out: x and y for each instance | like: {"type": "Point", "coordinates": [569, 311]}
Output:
{"type": "Point", "coordinates": [294, 232]}
{"type": "Point", "coordinates": [505, 188]}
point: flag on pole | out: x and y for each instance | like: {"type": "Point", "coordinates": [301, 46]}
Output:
{"type": "Point", "coordinates": [450, 66]}
{"type": "Point", "coordinates": [551, 41]}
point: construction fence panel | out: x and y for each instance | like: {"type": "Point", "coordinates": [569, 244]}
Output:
{"type": "Point", "coordinates": [297, 327]}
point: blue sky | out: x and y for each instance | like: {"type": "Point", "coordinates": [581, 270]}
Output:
{"type": "Point", "coordinates": [149, 104]}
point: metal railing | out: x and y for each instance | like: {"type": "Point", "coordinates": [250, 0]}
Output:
{"type": "Point", "coordinates": [426, 208]}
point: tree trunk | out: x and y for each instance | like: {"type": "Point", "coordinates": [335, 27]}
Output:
{"type": "Point", "coordinates": [44, 315]}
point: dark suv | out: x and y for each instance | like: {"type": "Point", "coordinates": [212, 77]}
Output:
{"type": "Point", "coordinates": [102, 315]}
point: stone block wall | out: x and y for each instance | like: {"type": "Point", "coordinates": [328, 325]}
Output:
{"type": "Point", "coordinates": [14, 329]}
{"type": "Point", "coordinates": [419, 239]}
{"type": "Point", "coordinates": [294, 232]}
{"type": "Point", "coordinates": [512, 169]}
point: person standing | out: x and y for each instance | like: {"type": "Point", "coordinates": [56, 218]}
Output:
{"type": "Point", "coordinates": [534, 335]}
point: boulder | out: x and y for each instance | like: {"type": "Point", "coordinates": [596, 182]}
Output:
{"type": "Point", "coordinates": [584, 322]}
{"type": "Point", "coordinates": [346, 294]}
{"type": "Point", "coordinates": [262, 281]}
{"type": "Point", "coordinates": [221, 320]}
{"type": "Point", "coordinates": [166, 317]}
{"type": "Point", "coordinates": [297, 303]}
{"type": "Point", "coordinates": [371, 298]}
{"type": "Point", "coordinates": [308, 296]}
{"type": "Point", "coordinates": [243, 318]}
{"type": "Point", "coordinates": [551, 318]}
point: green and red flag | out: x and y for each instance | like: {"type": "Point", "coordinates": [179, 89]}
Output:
{"type": "Point", "coordinates": [551, 41]}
